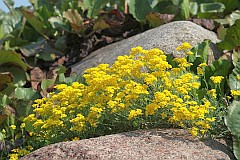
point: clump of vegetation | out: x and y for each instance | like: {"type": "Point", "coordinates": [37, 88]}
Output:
{"type": "Point", "coordinates": [139, 91]}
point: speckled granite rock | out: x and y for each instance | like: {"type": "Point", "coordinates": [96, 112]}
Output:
{"type": "Point", "coordinates": [166, 37]}
{"type": "Point", "coordinates": [155, 144]}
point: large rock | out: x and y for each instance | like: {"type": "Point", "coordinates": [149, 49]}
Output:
{"type": "Point", "coordinates": [166, 37]}
{"type": "Point", "coordinates": [156, 144]}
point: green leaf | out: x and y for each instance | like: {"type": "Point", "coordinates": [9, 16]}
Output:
{"type": "Point", "coordinates": [236, 147]}
{"type": "Point", "coordinates": [235, 57]}
{"type": "Point", "coordinates": [193, 8]}
{"type": "Point", "coordinates": [202, 50]}
{"type": "Point", "coordinates": [4, 101]}
{"type": "Point", "coordinates": [232, 119]}
{"type": "Point", "coordinates": [2, 136]}
{"type": "Point", "coordinates": [218, 68]}
{"type": "Point", "coordinates": [185, 10]}
{"type": "Point", "coordinates": [212, 7]}
{"type": "Point", "coordinates": [34, 21]}
{"type": "Point", "coordinates": [46, 83]}
{"type": "Point", "coordinates": [98, 5]}
{"type": "Point", "coordinates": [234, 83]}
{"type": "Point", "coordinates": [58, 22]}
{"type": "Point", "coordinates": [11, 22]}
{"type": "Point", "coordinates": [230, 5]}
{"type": "Point", "coordinates": [33, 48]}
{"type": "Point", "coordinates": [11, 57]}
{"type": "Point", "coordinates": [138, 11]}
{"type": "Point", "coordinates": [18, 75]}
{"type": "Point", "coordinates": [26, 93]}
{"type": "Point", "coordinates": [232, 38]}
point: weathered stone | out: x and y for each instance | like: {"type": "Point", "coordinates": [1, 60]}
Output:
{"type": "Point", "coordinates": [166, 37]}
{"type": "Point", "coordinates": [155, 144]}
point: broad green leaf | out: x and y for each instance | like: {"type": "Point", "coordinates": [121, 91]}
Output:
{"type": "Point", "coordinates": [212, 7]}
{"type": "Point", "coordinates": [58, 22]}
{"type": "Point", "coordinates": [236, 147]}
{"type": "Point", "coordinates": [26, 93]}
{"type": "Point", "coordinates": [202, 50]}
{"type": "Point", "coordinates": [185, 10]}
{"type": "Point", "coordinates": [33, 48]}
{"type": "Point", "coordinates": [230, 5]}
{"type": "Point", "coordinates": [61, 69]}
{"type": "Point", "coordinates": [235, 57]}
{"type": "Point", "coordinates": [8, 89]}
{"type": "Point", "coordinates": [138, 11]}
{"type": "Point", "coordinates": [193, 8]}
{"type": "Point", "coordinates": [18, 75]}
{"type": "Point", "coordinates": [232, 119]}
{"type": "Point", "coordinates": [11, 57]}
{"type": "Point", "coordinates": [46, 83]}
{"type": "Point", "coordinates": [98, 5]}
{"type": "Point", "coordinates": [34, 21]}
{"type": "Point", "coordinates": [11, 22]}
{"type": "Point", "coordinates": [232, 38]}
{"type": "Point", "coordinates": [234, 83]}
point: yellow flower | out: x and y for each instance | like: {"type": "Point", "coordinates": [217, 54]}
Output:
{"type": "Point", "coordinates": [235, 92]}
{"type": "Point", "coordinates": [190, 53]}
{"type": "Point", "coordinates": [216, 79]}
{"type": "Point", "coordinates": [199, 71]}
{"type": "Point", "coordinates": [13, 127]}
{"type": "Point", "coordinates": [212, 92]}
{"type": "Point", "coordinates": [22, 125]}
{"type": "Point", "coordinates": [184, 46]}
{"type": "Point", "coordinates": [194, 131]}
{"type": "Point", "coordinates": [13, 156]}
{"type": "Point", "coordinates": [75, 139]}
{"type": "Point", "coordinates": [203, 65]}
{"type": "Point", "coordinates": [149, 79]}
{"type": "Point", "coordinates": [134, 113]}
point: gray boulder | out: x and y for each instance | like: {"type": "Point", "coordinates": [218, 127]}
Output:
{"type": "Point", "coordinates": [155, 144]}
{"type": "Point", "coordinates": [166, 37]}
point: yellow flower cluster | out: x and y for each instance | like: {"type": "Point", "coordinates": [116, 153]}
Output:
{"type": "Point", "coordinates": [217, 79]}
{"type": "Point", "coordinates": [141, 85]}
{"type": "Point", "coordinates": [184, 46]}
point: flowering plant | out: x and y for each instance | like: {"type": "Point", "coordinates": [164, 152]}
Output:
{"type": "Point", "coordinates": [138, 91]}
{"type": "Point", "coordinates": [146, 89]}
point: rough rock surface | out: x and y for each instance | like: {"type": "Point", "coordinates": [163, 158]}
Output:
{"type": "Point", "coordinates": [155, 144]}
{"type": "Point", "coordinates": [166, 37]}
